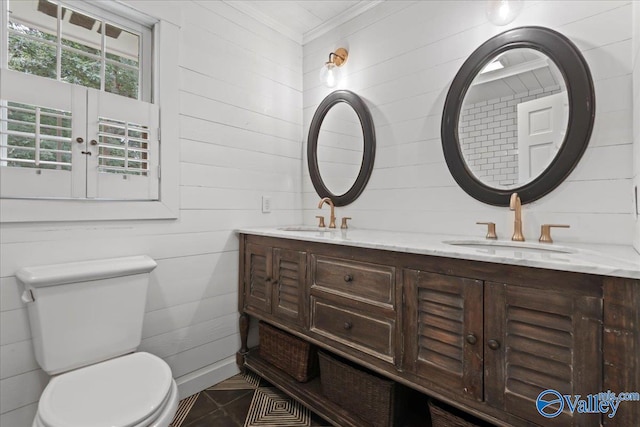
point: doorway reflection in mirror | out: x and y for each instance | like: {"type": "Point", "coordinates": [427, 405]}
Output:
{"type": "Point", "coordinates": [514, 118]}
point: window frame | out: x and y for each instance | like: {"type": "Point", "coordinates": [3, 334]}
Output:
{"type": "Point", "coordinates": [165, 93]}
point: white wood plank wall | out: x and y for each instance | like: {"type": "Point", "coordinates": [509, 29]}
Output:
{"type": "Point", "coordinates": [636, 117]}
{"type": "Point", "coordinates": [243, 115]}
{"type": "Point", "coordinates": [240, 138]}
{"type": "Point", "coordinates": [402, 59]}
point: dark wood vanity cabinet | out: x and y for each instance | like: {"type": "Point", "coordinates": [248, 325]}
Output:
{"type": "Point", "coordinates": [503, 344]}
{"type": "Point", "coordinates": [443, 330]}
{"type": "Point", "coordinates": [353, 303]}
{"type": "Point", "coordinates": [487, 338]}
{"type": "Point", "coordinates": [274, 283]}
{"type": "Point", "coordinates": [539, 339]}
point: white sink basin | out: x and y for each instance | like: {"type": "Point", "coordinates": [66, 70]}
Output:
{"type": "Point", "coordinates": [511, 247]}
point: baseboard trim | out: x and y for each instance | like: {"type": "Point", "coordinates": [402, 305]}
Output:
{"type": "Point", "coordinates": [199, 380]}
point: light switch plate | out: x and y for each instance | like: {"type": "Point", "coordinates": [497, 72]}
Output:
{"type": "Point", "coordinates": [266, 204]}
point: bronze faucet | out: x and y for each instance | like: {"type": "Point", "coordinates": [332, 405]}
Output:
{"type": "Point", "coordinates": [491, 230]}
{"type": "Point", "coordinates": [545, 232]}
{"type": "Point", "coordinates": [332, 217]}
{"type": "Point", "coordinates": [515, 205]}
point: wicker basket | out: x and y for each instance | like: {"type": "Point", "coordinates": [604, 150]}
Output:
{"type": "Point", "coordinates": [370, 397]}
{"type": "Point", "coordinates": [296, 357]}
{"type": "Point", "coordinates": [445, 416]}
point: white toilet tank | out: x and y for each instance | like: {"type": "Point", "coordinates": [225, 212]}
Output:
{"type": "Point", "coordinates": [85, 312]}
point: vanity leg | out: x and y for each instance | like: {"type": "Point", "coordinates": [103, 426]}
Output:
{"type": "Point", "coordinates": [244, 333]}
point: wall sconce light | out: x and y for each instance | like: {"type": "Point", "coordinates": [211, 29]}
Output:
{"type": "Point", "coordinates": [502, 12]}
{"type": "Point", "coordinates": [330, 73]}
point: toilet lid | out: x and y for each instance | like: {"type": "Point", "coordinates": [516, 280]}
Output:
{"type": "Point", "coordinates": [119, 392]}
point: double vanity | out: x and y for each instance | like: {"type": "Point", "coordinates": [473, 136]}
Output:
{"type": "Point", "coordinates": [483, 325]}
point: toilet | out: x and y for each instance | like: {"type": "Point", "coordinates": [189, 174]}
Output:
{"type": "Point", "coordinates": [86, 324]}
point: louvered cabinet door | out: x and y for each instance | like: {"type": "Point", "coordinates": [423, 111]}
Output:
{"type": "Point", "coordinates": [443, 331]}
{"type": "Point", "coordinates": [258, 277]}
{"type": "Point", "coordinates": [290, 269]}
{"type": "Point", "coordinates": [537, 340]}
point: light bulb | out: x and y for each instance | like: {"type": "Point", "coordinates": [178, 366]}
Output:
{"type": "Point", "coordinates": [330, 74]}
{"type": "Point", "coordinates": [502, 12]}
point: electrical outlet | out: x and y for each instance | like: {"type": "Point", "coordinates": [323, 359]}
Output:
{"type": "Point", "coordinates": [266, 204]}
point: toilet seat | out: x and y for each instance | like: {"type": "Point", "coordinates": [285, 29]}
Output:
{"type": "Point", "coordinates": [128, 391]}
{"type": "Point", "coordinates": [163, 420]}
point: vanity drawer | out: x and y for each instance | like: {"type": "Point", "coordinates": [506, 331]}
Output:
{"type": "Point", "coordinates": [365, 331]}
{"type": "Point", "coordinates": [370, 282]}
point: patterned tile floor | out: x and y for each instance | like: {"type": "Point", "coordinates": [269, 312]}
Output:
{"type": "Point", "coordinates": [244, 400]}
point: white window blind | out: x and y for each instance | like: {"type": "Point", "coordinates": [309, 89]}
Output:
{"type": "Point", "coordinates": [59, 140]}
{"type": "Point", "coordinates": [123, 147]}
{"type": "Point", "coordinates": [34, 136]}
{"type": "Point", "coordinates": [125, 159]}
{"type": "Point", "coordinates": [40, 120]}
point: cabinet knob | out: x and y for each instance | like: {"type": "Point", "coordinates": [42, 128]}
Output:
{"type": "Point", "coordinates": [348, 278]}
{"type": "Point", "coordinates": [268, 279]}
{"type": "Point", "coordinates": [348, 325]}
{"type": "Point", "coordinates": [471, 339]}
{"type": "Point", "coordinates": [493, 344]}
{"type": "Point", "coordinates": [80, 140]}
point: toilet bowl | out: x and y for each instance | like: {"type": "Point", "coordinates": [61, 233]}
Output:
{"type": "Point", "coordinates": [135, 390]}
{"type": "Point", "coordinates": [86, 324]}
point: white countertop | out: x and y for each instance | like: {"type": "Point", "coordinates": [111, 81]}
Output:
{"type": "Point", "coordinates": [606, 260]}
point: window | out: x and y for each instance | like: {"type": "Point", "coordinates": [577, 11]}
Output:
{"type": "Point", "coordinates": [50, 40]}
{"type": "Point", "coordinates": [76, 118]}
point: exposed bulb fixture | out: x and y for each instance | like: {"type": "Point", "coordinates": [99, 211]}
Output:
{"type": "Point", "coordinates": [330, 73]}
{"type": "Point", "coordinates": [502, 12]}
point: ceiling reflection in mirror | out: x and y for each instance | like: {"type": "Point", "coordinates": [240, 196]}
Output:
{"type": "Point", "coordinates": [340, 148]}
{"type": "Point", "coordinates": [514, 118]}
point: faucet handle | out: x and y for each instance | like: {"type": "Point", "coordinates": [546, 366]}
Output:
{"type": "Point", "coordinates": [321, 221]}
{"type": "Point", "coordinates": [344, 222]}
{"type": "Point", "coordinates": [545, 232]}
{"type": "Point", "coordinates": [491, 230]}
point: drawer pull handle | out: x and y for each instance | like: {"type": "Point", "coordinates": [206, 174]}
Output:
{"type": "Point", "coordinates": [348, 278]}
{"type": "Point", "coordinates": [348, 325]}
{"type": "Point", "coordinates": [471, 339]}
{"type": "Point", "coordinates": [493, 344]}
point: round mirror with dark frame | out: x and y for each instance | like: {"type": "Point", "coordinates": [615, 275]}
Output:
{"type": "Point", "coordinates": [341, 147]}
{"type": "Point", "coordinates": [518, 116]}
